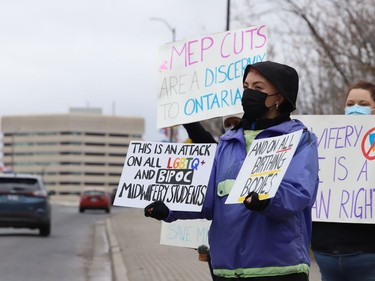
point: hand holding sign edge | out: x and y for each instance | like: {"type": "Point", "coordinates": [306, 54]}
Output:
{"type": "Point", "coordinates": [253, 203]}
{"type": "Point", "coordinates": [157, 210]}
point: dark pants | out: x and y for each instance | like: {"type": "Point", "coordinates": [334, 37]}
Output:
{"type": "Point", "coordinates": [346, 267]}
{"type": "Point", "coordinates": [289, 277]}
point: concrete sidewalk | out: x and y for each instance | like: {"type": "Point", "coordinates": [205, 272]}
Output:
{"type": "Point", "coordinates": [138, 256]}
{"type": "Point", "coordinates": [138, 239]}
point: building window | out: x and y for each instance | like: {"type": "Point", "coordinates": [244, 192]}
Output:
{"type": "Point", "coordinates": [95, 134]}
{"type": "Point", "coordinates": [71, 133]}
{"type": "Point", "coordinates": [94, 164]}
{"type": "Point", "coordinates": [94, 154]}
{"type": "Point", "coordinates": [94, 174]}
{"type": "Point", "coordinates": [94, 144]}
{"type": "Point", "coordinates": [119, 135]}
{"type": "Point", "coordinates": [94, 183]}
{"type": "Point", "coordinates": [118, 145]}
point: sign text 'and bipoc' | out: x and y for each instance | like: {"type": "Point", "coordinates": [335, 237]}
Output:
{"type": "Point", "coordinates": [174, 173]}
{"type": "Point", "coordinates": [201, 78]}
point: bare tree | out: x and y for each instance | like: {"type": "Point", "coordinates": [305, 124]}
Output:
{"type": "Point", "coordinates": [341, 33]}
{"type": "Point", "coordinates": [330, 42]}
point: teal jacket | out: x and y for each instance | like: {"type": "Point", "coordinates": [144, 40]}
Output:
{"type": "Point", "coordinates": [271, 242]}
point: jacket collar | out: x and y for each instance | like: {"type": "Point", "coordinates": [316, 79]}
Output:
{"type": "Point", "coordinates": [278, 129]}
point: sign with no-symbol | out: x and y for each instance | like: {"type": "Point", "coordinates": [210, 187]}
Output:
{"type": "Point", "coordinates": [346, 147]}
{"type": "Point", "coordinates": [368, 144]}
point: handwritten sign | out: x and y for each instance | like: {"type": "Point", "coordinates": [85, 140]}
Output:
{"type": "Point", "coordinates": [174, 173]}
{"type": "Point", "coordinates": [185, 233]}
{"type": "Point", "coordinates": [201, 78]}
{"type": "Point", "coordinates": [346, 167]}
{"type": "Point", "coordinates": [264, 167]}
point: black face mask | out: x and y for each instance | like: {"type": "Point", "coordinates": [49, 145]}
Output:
{"type": "Point", "coordinates": [253, 104]}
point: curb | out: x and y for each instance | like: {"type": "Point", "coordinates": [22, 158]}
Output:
{"type": "Point", "coordinates": [119, 271]}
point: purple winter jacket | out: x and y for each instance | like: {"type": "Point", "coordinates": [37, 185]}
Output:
{"type": "Point", "coordinates": [272, 242]}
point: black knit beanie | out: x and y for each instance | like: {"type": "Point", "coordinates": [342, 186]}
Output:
{"type": "Point", "coordinates": [283, 77]}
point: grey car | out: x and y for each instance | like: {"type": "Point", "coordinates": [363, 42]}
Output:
{"type": "Point", "coordinates": [24, 203]}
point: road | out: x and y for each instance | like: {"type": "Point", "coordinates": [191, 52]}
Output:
{"type": "Point", "coordinates": [76, 250]}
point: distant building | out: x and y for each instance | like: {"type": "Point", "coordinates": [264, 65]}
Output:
{"type": "Point", "coordinates": [70, 151]}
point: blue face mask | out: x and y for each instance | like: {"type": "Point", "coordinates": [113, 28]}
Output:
{"type": "Point", "coordinates": [357, 110]}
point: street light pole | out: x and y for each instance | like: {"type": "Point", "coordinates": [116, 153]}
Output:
{"type": "Point", "coordinates": [173, 30]}
{"type": "Point", "coordinates": [228, 15]}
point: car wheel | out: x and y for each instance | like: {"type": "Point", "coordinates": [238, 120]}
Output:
{"type": "Point", "coordinates": [108, 210]}
{"type": "Point", "coordinates": [81, 210]}
{"type": "Point", "coordinates": [45, 229]}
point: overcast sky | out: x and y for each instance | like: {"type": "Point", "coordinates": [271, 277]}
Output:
{"type": "Point", "coordinates": [98, 53]}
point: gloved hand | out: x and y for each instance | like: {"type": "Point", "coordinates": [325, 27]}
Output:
{"type": "Point", "coordinates": [157, 210]}
{"type": "Point", "coordinates": [255, 204]}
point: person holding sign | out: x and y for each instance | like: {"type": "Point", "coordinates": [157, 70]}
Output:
{"type": "Point", "coordinates": [346, 251]}
{"type": "Point", "coordinates": [260, 239]}
{"type": "Point", "coordinates": [198, 134]}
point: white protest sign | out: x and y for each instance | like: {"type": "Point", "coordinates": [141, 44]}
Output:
{"type": "Point", "coordinates": [346, 147]}
{"type": "Point", "coordinates": [185, 233]}
{"type": "Point", "coordinates": [201, 78]}
{"type": "Point", "coordinates": [264, 167]}
{"type": "Point", "coordinates": [174, 173]}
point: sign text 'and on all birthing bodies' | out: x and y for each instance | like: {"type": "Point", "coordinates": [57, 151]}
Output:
{"type": "Point", "coordinates": [175, 173]}
{"type": "Point", "coordinates": [201, 78]}
{"type": "Point", "coordinates": [264, 167]}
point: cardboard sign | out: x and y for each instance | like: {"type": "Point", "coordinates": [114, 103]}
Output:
{"type": "Point", "coordinates": [346, 167]}
{"type": "Point", "coordinates": [201, 78]}
{"type": "Point", "coordinates": [264, 167]}
{"type": "Point", "coordinates": [185, 233]}
{"type": "Point", "coordinates": [174, 173]}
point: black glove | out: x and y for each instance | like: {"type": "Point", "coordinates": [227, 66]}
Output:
{"type": "Point", "coordinates": [157, 210]}
{"type": "Point", "coordinates": [256, 204]}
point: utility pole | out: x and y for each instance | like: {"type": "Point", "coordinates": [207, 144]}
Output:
{"type": "Point", "coordinates": [228, 15]}
{"type": "Point", "coordinates": [172, 29]}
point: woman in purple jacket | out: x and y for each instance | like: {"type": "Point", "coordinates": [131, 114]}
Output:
{"type": "Point", "coordinates": [267, 239]}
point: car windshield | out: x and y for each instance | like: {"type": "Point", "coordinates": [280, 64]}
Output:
{"type": "Point", "coordinates": [18, 184]}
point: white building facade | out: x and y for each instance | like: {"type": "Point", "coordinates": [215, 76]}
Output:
{"type": "Point", "coordinates": [70, 151]}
